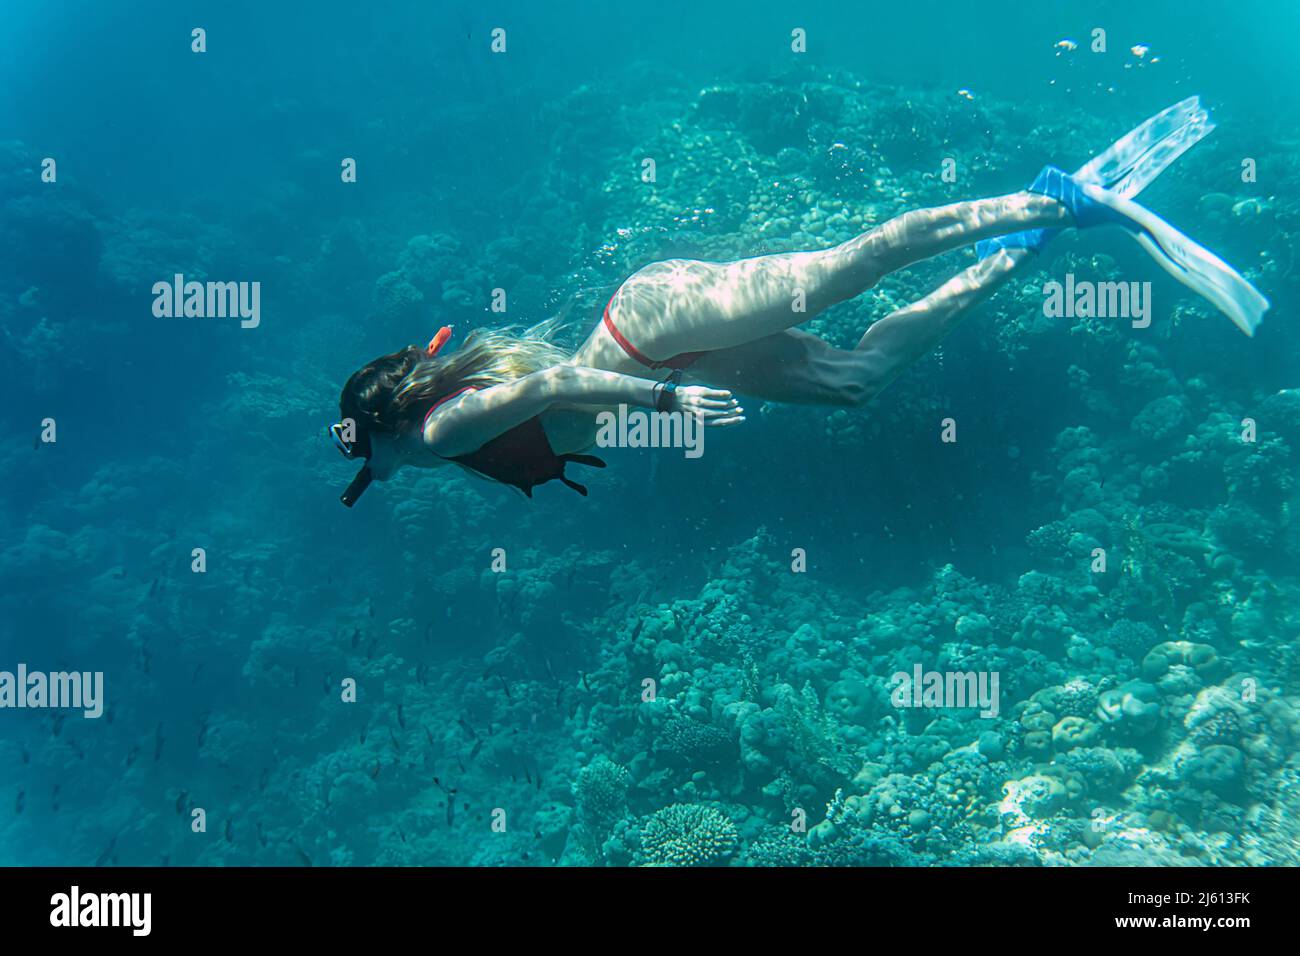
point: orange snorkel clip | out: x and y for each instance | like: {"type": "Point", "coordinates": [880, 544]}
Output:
{"type": "Point", "coordinates": [438, 341]}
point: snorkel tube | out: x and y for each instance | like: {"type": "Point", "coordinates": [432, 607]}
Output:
{"type": "Point", "coordinates": [352, 446]}
{"type": "Point", "coordinates": [358, 486]}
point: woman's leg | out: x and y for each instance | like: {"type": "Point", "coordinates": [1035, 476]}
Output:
{"type": "Point", "coordinates": [799, 368]}
{"type": "Point", "coordinates": [684, 305]}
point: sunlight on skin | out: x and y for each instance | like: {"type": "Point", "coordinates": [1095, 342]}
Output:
{"type": "Point", "coordinates": [741, 314]}
{"type": "Point", "coordinates": [683, 305]}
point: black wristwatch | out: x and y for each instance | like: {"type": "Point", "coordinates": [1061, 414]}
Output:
{"type": "Point", "coordinates": [664, 395]}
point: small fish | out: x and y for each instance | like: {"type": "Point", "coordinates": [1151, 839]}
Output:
{"type": "Point", "coordinates": [428, 632]}
{"type": "Point", "coordinates": [77, 749]}
{"type": "Point", "coordinates": [461, 764]}
{"type": "Point", "coordinates": [468, 729]}
{"type": "Point", "coordinates": [54, 799]}
{"type": "Point", "coordinates": [392, 737]}
{"type": "Point", "coordinates": [559, 697]}
{"type": "Point", "coordinates": [27, 754]}
{"type": "Point", "coordinates": [401, 718]}
{"type": "Point", "coordinates": [585, 685]}
{"type": "Point", "coordinates": [20, 802]}
{"type": "Point", "coordinates": [478, 745]}
{"type": "Point", "coordinates": [230, 831]}
{"type": "Point", "coordinates": [181, 801]}
{"type": "Point", "coordinates": [375, 772]}
{"type": "Point", "coordinates": [428, 736]}
{"type": "Point", "coordinates": [539, 780]}
{"type": "Point", "coordinates": [130, 758]}
{"type": "Point", "coordinates": [194, 679]}
{"type": "Point", "coordinates": [303, 858]}
{"type": "Point", "coordinates": [1069, 46]}
{"type": "Point", "coordinates": [636, 631]}
{"type": "Point", "coordinates": [529, 775]}
{"type": "Point", "coordinates": [1139, 50]}
{"type": "Point", "coordinates": [326, 683]}
{"type": "Point", "coordinates": [400, 835]}
{"type": "Point", "coordinates": [57, 724]}
{"type": "Point", "coordinates": [356, 638]}
{"type": "Point", "coordinates": [261, 837]}
{"type": "Point", "coordinates": [505, 687]}
{"type": "Point", "coordinates": [451, 812]}
{"type": "Point", "coordinates": [262, 781]}
{"type": "Point", "coordinates": [153, 587]}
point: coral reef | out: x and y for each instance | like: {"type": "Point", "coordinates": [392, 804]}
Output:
{"type": "Point", "coordinates": [646, 678]}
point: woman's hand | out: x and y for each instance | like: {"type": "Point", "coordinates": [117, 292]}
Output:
{"type": "Point", "coordinates": [715, 407]}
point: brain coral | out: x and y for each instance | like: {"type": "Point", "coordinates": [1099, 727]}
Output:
{"type": "Point", "coordinates": [688, 835]}
{"type": "Point", "coordinates": [1133, 707]}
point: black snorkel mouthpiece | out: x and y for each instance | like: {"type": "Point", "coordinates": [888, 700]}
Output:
{"type": "Point", "coordinates": [358, 486]}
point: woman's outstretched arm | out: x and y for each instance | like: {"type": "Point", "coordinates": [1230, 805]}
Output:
{"type": "Point", "coordinates": [470, 421]}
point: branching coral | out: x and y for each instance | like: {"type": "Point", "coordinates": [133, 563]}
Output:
{"type": "Point", "coordinates": [688, 835]}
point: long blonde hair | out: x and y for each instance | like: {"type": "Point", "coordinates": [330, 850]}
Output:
{"type": "Point", "coordinates": [396, 391]}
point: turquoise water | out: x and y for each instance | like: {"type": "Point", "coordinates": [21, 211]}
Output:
{"type": "Point", "coordinates": [694, 665]}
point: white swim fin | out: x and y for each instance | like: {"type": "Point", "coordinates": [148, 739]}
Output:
{"type": "Point", "coordinates": [1190, 263]}
{"type": "Point", "coordinates": [1129, 164]}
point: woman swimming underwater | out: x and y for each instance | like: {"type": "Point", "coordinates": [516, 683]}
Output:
{"type": "Point", "coordinates": [517, 409]}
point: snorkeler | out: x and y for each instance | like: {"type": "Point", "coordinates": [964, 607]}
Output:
{"type": "Point", "coordinates": [518, 409]}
